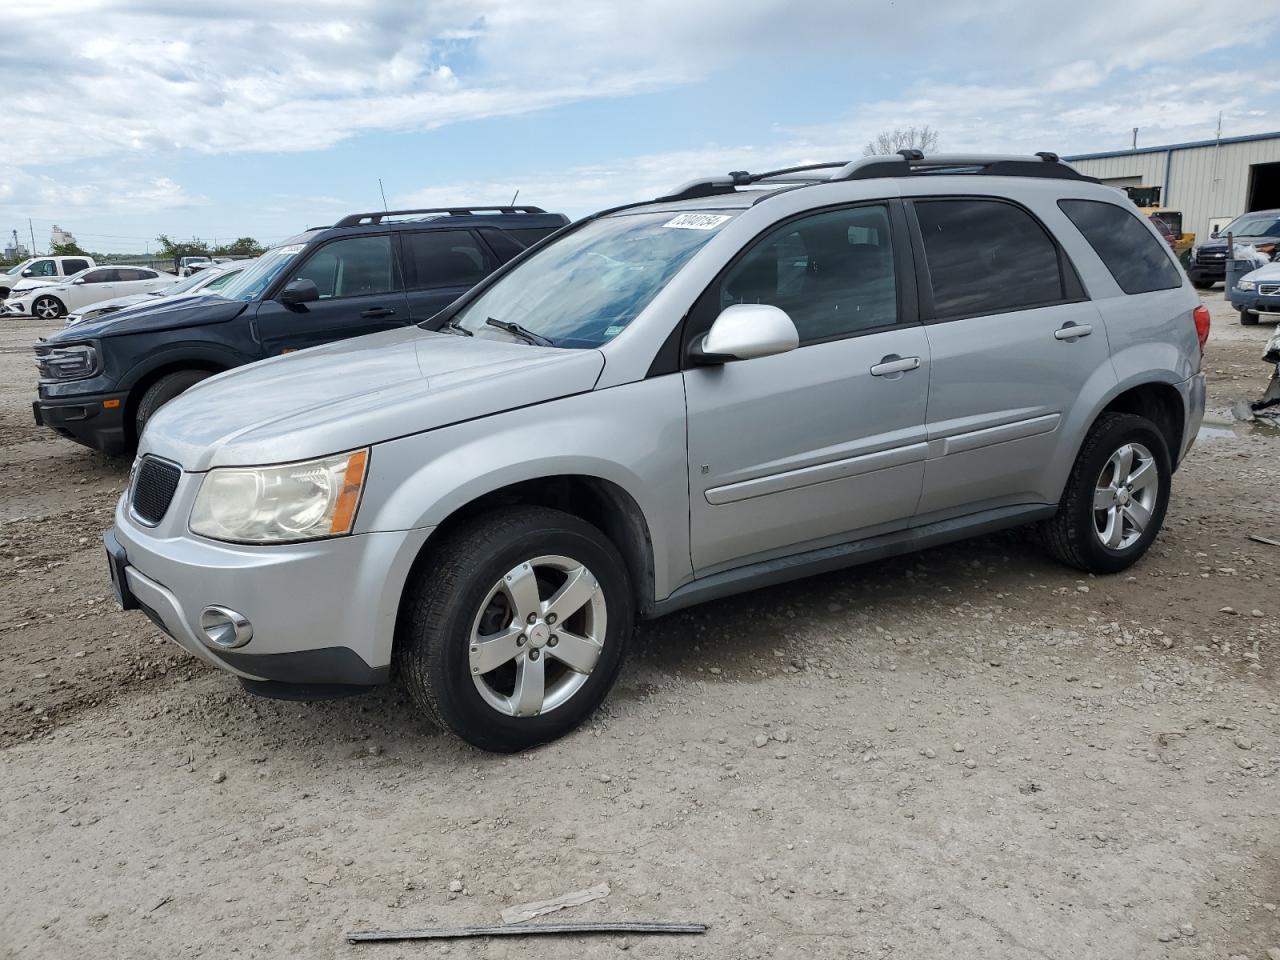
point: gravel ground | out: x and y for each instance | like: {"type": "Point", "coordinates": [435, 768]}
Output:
{"type": "Point", "coordinates": [971, 753]}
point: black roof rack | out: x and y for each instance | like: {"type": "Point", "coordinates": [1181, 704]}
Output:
{"type": "Point", "coordinates": [908, 163]}
{"type": "Point", "coordinates": [357, 219]}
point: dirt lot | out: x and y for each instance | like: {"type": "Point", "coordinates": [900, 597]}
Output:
{"type": "Point", "coordinates": [970, 753]}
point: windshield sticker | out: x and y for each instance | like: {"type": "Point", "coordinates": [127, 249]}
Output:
{"type": "Point", "coordinates": [697, 221]}
{"type": "Point", "coordinates": [614, 330]}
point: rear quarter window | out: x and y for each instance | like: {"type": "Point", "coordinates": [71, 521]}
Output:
{"type": "Point", "coordinates": [1138, 261]}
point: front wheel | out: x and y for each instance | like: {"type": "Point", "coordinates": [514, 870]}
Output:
{"type": "Point", "coordinates": [1115, 498]}
{"type": "Point", "coordinates": [516, 629]}
{"type": "Point", "coordinates": [47, 308]}
{"type": "Point", "coordinates": [162, 391]}
{"type": "Point", "coordinates": [1202, 284]}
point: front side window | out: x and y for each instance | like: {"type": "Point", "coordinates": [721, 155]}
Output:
{"type": "Point", "coordinates": [986, 256]}
{"type": "Point", "coordinates": [832, 273]}
{"type": "Point", "coordinates": [354, 267]}
{"type": "Point", "coordinates": [1139, 262]}
{"type": "Point", "coordinates": [446, 258]}
{"type": "Point", "coordinates": [585, 288]}
{"type": "Point", "coordinates": [44, 268]}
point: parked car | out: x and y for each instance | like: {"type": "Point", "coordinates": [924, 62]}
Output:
{"type": "Point", "coordinates": [37, 270]}
{"type": "Point", "coordinates": [102, 380]}
{"type": "Point", "coordinates": [749, 380]}
{"type": "Point", "coordinates": [1257, 294]}
{"type": "Point", "coordinates": [50, 301]}
{"type": "Point", "coordinates": [1261, 229]}
{"type": "Point", "coordinates": [206, 281]}
{"type": "Point", "coordinates": [189, 265]}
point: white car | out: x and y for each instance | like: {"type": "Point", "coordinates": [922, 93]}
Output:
{"type": "Point", "coordinates": [206, 281]}
{"type": "Point", "coordinates": [50, 301]}
{"type": "Point", "coordinates": [41, 270]}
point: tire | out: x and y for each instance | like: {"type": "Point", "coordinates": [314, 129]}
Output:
{"type": "Point", "coordinates": [162, 391]}
{"type": "Point", "coordinates": [1248, 318]}
{"type": "Point", "coordinates": [47, 308]}
{"type": "Point", "coordinates": [445, 613]}
{"type": "Point", "coordinates": [1201, 284]}
{"type": "Point", "coordinates": [4, 293]}
{"type": "Point", "coordinates": [1073, 535]}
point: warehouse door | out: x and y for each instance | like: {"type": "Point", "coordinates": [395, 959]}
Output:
{"type": "Point", "coordinates": [1264, 186]}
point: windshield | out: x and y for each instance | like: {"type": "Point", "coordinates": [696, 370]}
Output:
{"type": "Point", "coordinates": [1254, 225]}
{"type": "Point", "coordinates": [16, 268]}
{"type": "Point", "coordinates": [583, 290]}
{"type": "Point", "coordinates": [190, 283]}
{"type": "Point", "coordinates": [251, 284]}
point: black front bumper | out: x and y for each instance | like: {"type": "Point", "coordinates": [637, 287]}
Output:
{"type": "Point", "coordinates": [96, 420]}
{"type": "Point", "coordinates": [1215, 269]}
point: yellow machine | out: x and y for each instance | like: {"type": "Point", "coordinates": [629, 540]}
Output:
{"type": "Point", "coordinates": [1168, 222]}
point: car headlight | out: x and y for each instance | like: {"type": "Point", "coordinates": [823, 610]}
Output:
{"type": "Point", "coordinates": [295, 501]}
{"type": "Point", "coordinates": [67, 363]}
{"type": "Point", "coordinates": [1246, 285]}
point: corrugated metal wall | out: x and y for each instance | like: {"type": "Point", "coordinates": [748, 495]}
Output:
{"type": "Point", "coordinates": [1203, 182]}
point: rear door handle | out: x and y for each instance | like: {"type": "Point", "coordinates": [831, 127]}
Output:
{"type": "Point", "coordinates": [374, 312]}
{"type": "Point", "coordinates": [895, 365]}
{"type": "Point", "coordinates": [1072, 331]}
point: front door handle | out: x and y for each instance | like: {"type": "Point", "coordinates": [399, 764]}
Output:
{"type": "Point", "coordinates": [1072, 331]}
{"type": "Point", "coordinates": [894, 366]}
{"type": "Point", "coordinates": [374, 312]}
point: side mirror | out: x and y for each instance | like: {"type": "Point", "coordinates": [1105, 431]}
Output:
{"type": "Point", "coordinates": [1214, 233]}
{"type": "Point", "coordinates": [299, 291]}
{"type": "Point", "coordinates": [27, 272]}
{"type": "Point", "coordinates": [78, 280]}
{"type": "Point", "coordinates": [745, 331]}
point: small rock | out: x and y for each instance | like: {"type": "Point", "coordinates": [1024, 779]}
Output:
{"type": "Point", "coordinates": [1187, 930]}
{"type": "Point", "coordinates": [930, 752]}
{"type": "Point", "coordinates": [971, 764]}
{"type": "Point", "coordinates": [1082, 589]}
{"type": "Point", "coordinates": [1273, 953]}
{"type": "Point", "coordinates": [605, 778]}
{"type": "Point", "coordinates": [761, 740]}
{"type": "Point", "coordinates": [1246, 763]}
{"type": "Point", "coordinates": [220, 776]}
{"type": "Point", "coordinates": [1243, 742]}
{"type": "Point", "coordinates": [1255, 612]}
{"type": "Point", "coordinates": [455, 886]}
{"type": "Point", "coordinates": [781, 735]}
{"type": "Point", "coordinates": [1228, 610]}
{"type": "Point", "coordinates": [958, 748]}
{"type": "Point", "coordinates": [714, 671]}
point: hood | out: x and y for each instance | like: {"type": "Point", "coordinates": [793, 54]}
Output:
{"type": "Point", "coordinates": [157, 313]}
{"type": "Point", "coordinates": [358, 392]}
{"type": "Point", "coordinates": [1267, 272]}
{"type": "Point", "coordinates": [117, 303]}
{"type": "Point", "coordinates": [1220, 241]}
{"type": "Point", "coordinates": [30, 283]}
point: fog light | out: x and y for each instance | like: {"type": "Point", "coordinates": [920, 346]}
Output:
{"type": "Point", "coordinates": [225, 628]}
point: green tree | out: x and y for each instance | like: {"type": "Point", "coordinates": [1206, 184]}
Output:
{"type": "Point", "coordinates": [195, 247]}
{"type": "Point", "coordinates": [71, 249]}
{"type": "Point", "coordinates": [243, 247]}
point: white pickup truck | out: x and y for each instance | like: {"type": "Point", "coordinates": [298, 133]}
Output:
{"type": "Point", "coordinates": [52, 269]}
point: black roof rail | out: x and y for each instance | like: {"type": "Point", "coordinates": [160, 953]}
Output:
{"type": "Point", "coordinates": [356, 219]}
{"type": "Point", "coordinates": [907, 163]}
{"type": "Point", "coordinates": [914, 163]}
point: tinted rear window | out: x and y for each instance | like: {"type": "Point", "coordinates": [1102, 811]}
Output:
{"type": "Point", "coordinates": [986, 256]}
{"type": "Point", "coordinates": [1139, 262]}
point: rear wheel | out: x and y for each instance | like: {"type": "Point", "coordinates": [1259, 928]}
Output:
{"type": "Point", "coordinates": [517, 629]}
{"type": "Point", "coordinates": [1249, 318]}
{"type": "Point", "coordinates": [1115, 498]}
{"type": "Point", "coordinates": [47, 308]}
{"type": "Point", "coordinates": [164, 390]}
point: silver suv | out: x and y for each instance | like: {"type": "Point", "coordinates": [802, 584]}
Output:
{"type": "Point", "coordinates": [752, 379]}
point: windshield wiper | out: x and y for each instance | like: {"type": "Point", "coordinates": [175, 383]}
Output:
{"type": "Point", "coordinates": [458, 328]}
{"type": "Point", "coordinates": [524, 333]}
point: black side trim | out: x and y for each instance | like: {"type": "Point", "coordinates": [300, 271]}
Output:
{"type": "Point", "coordinates": [340, 665]}
{"type": "Point", "coordinates": [767, 573]}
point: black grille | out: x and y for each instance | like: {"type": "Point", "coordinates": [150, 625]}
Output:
{"type": "Point", "coordinates": [153, 489]}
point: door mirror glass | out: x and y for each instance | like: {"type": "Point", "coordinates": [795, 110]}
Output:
{"type": "Point", "coordinates": [28, 272]}
{"type": "Point", "coordinates": [301, 290]}
{"type": "Point", "coordinates": [745, 331]}
{"type": "Point", "coordinates": [79, 280]}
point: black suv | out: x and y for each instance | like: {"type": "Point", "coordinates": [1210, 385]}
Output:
{"type": "Point", "coordinates": [100, 381]}
{"type": "Point", "coordinates": [1209, 259]}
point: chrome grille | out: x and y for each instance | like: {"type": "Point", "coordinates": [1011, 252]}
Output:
{"type": "Point", "coordinates": [1269, 289]}
{"type": "Point", "coordinates": [153, 489]}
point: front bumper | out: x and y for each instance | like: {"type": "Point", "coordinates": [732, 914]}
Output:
{"type": "Point", "coordinates": [96, 420]}
{"type": "Point", "coordinates": [1254, 301]}
{"type": "Point", "coordinates": [1208, 269]}
{"type": "Point", "coordinates": [323, 612]}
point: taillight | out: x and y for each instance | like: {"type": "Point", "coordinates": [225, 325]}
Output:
{"type": "Point", "coordinates": [1201, 313]}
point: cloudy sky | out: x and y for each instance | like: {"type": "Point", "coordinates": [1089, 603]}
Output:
{"type": "Point", "coordinates": [123, 119]}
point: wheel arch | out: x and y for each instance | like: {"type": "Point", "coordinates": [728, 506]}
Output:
{"type": "Point", "coordinates": [1157, 401]}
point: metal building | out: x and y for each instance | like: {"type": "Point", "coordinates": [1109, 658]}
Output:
{"type": "Point", "coordinates": [1210, 181]}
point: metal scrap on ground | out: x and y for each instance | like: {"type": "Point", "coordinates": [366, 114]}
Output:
{"type": "Point", "coordinates": [532, 929]}
{"type": "Point", "coordinates": [527, 911]}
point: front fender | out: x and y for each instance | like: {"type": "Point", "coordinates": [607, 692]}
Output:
{"type": "Point", "coordinates": [632, 435]}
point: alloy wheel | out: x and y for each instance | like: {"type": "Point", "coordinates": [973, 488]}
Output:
{"type": "Point", "coordinates": [46, 308]}
{"type": "Point", "coordinates": [538, 636]}
{"type": "Point", "coordinates": [1124, 496]}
